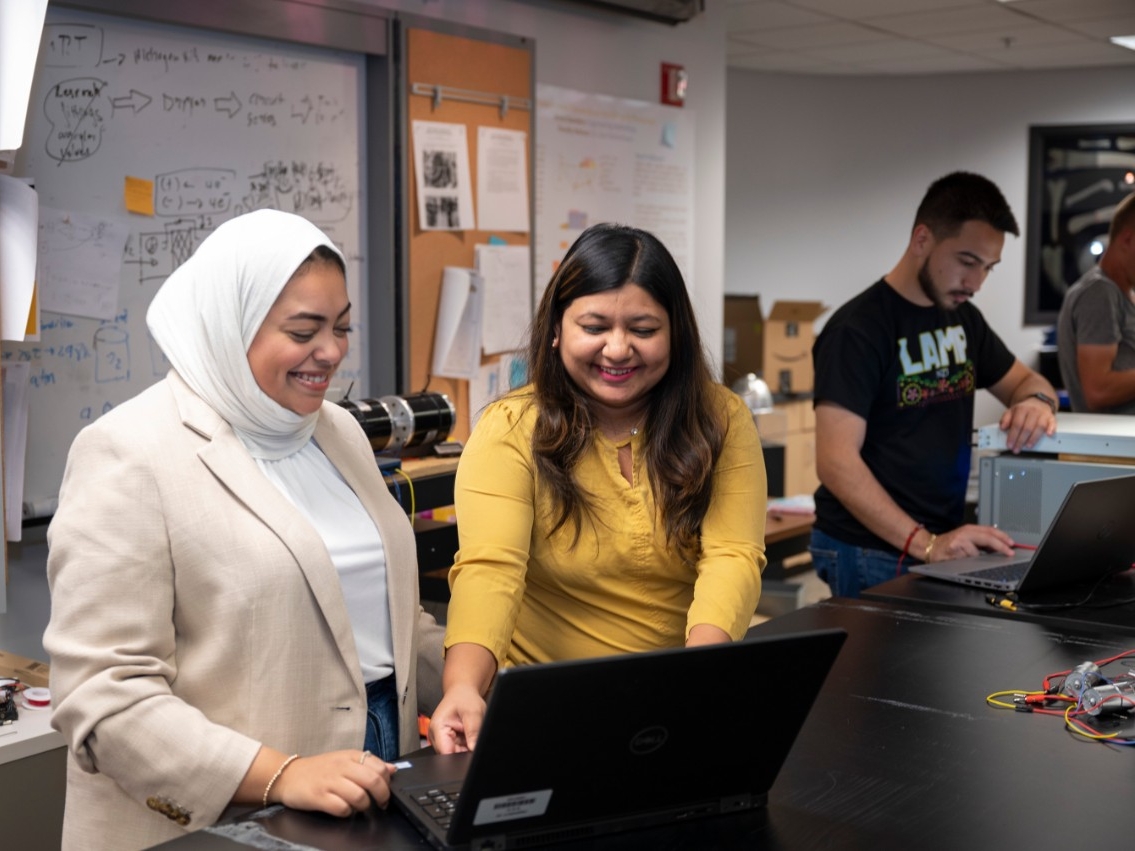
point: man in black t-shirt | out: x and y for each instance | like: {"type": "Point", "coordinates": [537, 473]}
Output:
{"type": "Point", "coordinates": [896, 372]}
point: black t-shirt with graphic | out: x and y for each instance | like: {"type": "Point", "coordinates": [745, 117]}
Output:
{"type": "Point", "coordinates": [911, 373]}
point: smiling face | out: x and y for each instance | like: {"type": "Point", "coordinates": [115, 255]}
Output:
{"type": "Point", "coordinates": [303, 339]}
{"type": "Point", "coordinates": [954, 268]}
{"type": "Point", "coordinates": [615, 346]}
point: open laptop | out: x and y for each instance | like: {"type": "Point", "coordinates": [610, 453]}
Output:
{"type": "Point", "coordinates": [1091, 536]}
{"type": "Point", "coordinates": [573, 750]}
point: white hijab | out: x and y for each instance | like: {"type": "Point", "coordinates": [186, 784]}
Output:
{"type": "Point", "coordinates": [208, 311]}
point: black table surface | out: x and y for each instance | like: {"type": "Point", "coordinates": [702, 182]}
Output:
{"type": "Point", "coordinates": [1105, 607]}
{"type": "Point", "coordinates": [900, 749]}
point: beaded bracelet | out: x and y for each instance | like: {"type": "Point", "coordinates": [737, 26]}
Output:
{"type": "Point", "coordinates": [276, 776]}
{"type": "Point", "coordinates": [909, 538]}
{"type": "Point", "coordinates": [906, 549]}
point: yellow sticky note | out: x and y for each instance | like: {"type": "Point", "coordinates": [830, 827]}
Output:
{"type": "Point", "coordinates": [139, 195]}
{"type": "Point", "coordinates": [31, 329]}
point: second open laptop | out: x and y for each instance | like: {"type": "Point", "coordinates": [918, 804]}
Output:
{"type": "Point", "coordinates": [1091, 536]}
{"type": "Point", "coordinates": [573, 750]}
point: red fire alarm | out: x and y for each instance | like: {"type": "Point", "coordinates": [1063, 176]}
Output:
{"type": "Point", "coordinates": [674, 83]}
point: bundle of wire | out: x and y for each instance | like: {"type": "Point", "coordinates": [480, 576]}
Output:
{"type": "Point", "coordinates": [1077, 695]}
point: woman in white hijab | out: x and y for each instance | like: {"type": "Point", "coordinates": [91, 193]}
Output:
{"type": "Point", "coordinates": [235, 614]}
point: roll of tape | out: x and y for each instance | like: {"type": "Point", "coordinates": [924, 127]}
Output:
{"type": "Point", "coordinates": [37, 698]}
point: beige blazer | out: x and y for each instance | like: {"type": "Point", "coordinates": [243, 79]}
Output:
{"type": "Point", "coordinates": [196, 614]}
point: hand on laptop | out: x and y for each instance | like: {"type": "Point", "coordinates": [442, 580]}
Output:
{"type": "Point", "coordinates": [468, 673]}
{"type": "Point", "coordinates": [338, 783]}
{"type": "Point", "coordinates": [970, 540]}
{"type": "Point", "coordinates": [456, 722]}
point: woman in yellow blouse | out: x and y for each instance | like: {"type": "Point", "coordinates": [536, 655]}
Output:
{"type": "Point", "coordinates": [615, 504]}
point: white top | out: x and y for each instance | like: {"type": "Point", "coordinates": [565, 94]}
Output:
{"type": "Point", "coordinates": [315, 487]}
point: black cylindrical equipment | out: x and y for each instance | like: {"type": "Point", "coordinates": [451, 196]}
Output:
{"type": "Point", "coordinates": [404, 425]}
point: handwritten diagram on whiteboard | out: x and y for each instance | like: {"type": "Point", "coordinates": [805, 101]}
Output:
{"type": "Point", "coordinates": [142, 139]}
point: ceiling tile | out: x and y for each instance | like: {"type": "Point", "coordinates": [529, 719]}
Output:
{"type": "Point", "coordinates": [1068, 11]}
{"type": "Point", "coordinates": [735, 48]}
{"type": "Point", "coordinates": [765, 16]}
{"type": "Point", "coordinates": [1007, 40]}
{"type": "Point", "coordinates": [790, 62]}
{"type": "Point", "coordinates": [878, 50]}
{"type": "Point", "coordinates": [969, 19]}
{"type": "Point", "coordinates": [926, 36]}
{"type": "Point", "coordinates": [1106, 27]}
{"type": "Point", "coordinates": [791, 38]}
{"type": "Point", "coordinates": [858, 10]}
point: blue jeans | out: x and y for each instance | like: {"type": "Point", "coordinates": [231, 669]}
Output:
{"type": "Point", "coordinates": [849, 569]}
{"type": "Point", "coordinates": [382, 719]}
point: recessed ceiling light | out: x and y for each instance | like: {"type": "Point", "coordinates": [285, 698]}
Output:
{"type": "Point", "coordinates": [1127, 41]}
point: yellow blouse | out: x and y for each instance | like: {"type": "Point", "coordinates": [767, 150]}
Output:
{"type": "Point", "coordinates": [530, 597]}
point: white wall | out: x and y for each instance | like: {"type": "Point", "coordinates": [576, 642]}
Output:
{"type": "Point", "coordinates": [825, 173]}
{"type": "Point", "coordinates": [594, 50]}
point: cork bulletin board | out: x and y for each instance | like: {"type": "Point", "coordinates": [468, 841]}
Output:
{"type": "Point", "coordinates": [469, 78]}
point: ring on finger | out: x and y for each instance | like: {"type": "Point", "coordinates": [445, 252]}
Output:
{"type": "Point", "coordinates": [364, 756]}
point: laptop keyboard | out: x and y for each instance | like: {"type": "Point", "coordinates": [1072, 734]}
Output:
{"type": "Point", "coordinates": [439, 804]}
{"type": "Point", "coordinates": [1001, 572]}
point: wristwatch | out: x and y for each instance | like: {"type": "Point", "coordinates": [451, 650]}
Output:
{"type": "Point", "coordinates": [1048, 400]}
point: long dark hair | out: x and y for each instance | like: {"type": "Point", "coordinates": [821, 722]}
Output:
{"type": "Point", "coordinates": [683, 430]}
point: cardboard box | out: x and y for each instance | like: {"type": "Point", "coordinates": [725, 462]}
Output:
{"type": "Point", "coordinates": [788, 337]}
{"type": "Point", "coordinates": [799, 447]}
{"type": "Point", "coordinates": [27, 671]}
{"type": "Point", "coordinates": [772, 425]}
{"type": "Point", "coordinates": [777, 348]}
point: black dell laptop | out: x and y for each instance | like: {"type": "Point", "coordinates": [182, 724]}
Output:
{"type": "Point", "coordinates": [575, 750]}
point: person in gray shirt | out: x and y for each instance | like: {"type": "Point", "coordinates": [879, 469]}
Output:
{"type": "Point", "coordinates": [1096, 332]}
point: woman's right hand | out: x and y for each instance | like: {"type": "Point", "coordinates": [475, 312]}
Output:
{"type": "Point", "coordinates": [456, 722]}
{"type": "Point", "coordinates": [338, 783]}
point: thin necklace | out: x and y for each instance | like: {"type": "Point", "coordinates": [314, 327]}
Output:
{"type": "Point", "coordinates": [632, 431]}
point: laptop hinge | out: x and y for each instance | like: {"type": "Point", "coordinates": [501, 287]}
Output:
{"type": "Point", "coordinates": [736, 803]}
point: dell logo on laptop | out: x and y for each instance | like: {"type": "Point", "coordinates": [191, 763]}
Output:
{"type": "Point", "coordinates": [649, 740]}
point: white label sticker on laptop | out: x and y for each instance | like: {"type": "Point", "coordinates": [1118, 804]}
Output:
{"type": "Point", "coordinates": [510, 807]}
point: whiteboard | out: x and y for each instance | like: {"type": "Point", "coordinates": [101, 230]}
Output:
{"type": "Point", "coordinates": [221, 125]}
